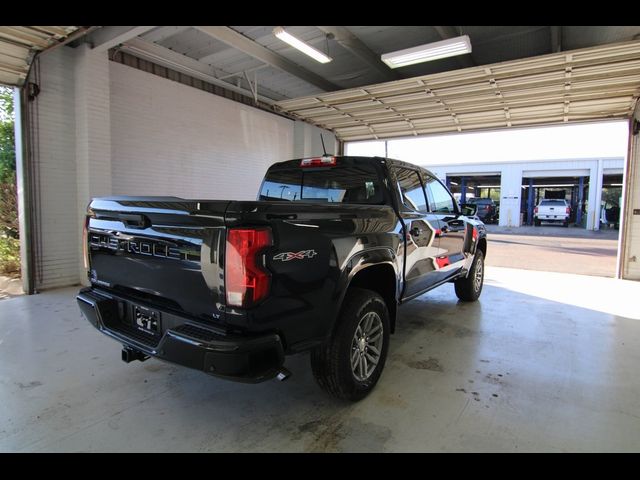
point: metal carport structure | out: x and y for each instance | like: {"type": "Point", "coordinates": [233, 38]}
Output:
{"type": "Point", "coordinates": [591, 84]}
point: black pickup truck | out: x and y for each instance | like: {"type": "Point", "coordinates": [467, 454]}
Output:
{"type": "Point", "coordinates": [319, 263]}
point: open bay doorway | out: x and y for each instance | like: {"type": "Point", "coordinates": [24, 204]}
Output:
{"type": "Point", "coordinates": [10, 281]}
{"type": "Point", "coordinates": [513, 170]}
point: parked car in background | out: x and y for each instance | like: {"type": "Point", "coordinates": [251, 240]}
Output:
{"type": "Point", "coordinates": [487, 210]}
{"type": "Point", "coordinates": [552, 210]}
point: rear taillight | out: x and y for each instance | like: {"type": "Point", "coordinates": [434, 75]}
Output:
{"type": "Point", "coordinates": [568, 210]}
{"type": "Point", "coordinates": [318, 162]}
{"type": "Point", "coordinates": [535, 210]}
{"type": "Point", "coordinates": [246, 280]}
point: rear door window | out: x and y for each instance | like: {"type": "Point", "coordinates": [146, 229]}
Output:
{"type": "Point", "coordinates": [411, 189]}
{"type": "Point", "coordinates": [440, 201]}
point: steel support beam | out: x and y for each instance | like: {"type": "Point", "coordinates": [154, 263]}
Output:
{"type": "Point", "coordinates": [580, 200]}
{"type": "Point", "coordinates": [463, 190]}
{"type": "Point", "coordinates": [109, 37]}
{"type": "Point", "coordinates": [450, 32]}
{"type": "Point", "coordinates": [176, 61]}
{"type": "Point", "coordinates": [530, 203]}
{"type": "Point", "coordinates": [257, 51]}
{"type": "Point", "coordinates": [357, 47]}
{"type": "Point", "coordinates": [23, 179]}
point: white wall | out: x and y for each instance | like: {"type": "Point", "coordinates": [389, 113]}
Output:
{"type": "Point", "coordinates": [172, 139]}
{"type": "Point", "coordinates": [93, 133]}
{"type": "Point", "coordinates": [55, 240]}
{"type": "Point", "coordinates": [105, 128]}
{"type": "Point", "coordinates": [307, 142]}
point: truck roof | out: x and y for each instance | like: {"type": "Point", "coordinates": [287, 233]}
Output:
{"type": "Point", "coordinates": [374, 159]}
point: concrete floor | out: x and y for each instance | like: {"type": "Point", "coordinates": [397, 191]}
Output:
{"type": "Point", "coordinates": [554, 249]}
{"type": "Point", "coordinates": [543, 362]}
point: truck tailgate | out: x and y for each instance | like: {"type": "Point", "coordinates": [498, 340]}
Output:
{"type": "Point", "coordinates": [163, 250]}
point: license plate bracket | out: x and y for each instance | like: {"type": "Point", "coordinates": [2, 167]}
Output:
{"type": "Point", "coordinates": [147, 320]}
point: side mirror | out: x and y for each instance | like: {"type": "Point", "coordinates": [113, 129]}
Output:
{"type": "Point", "coordinates": [469, 209]}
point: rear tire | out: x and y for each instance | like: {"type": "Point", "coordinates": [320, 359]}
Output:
{"type": "Point", "coordinates": [344, 366]}
{"type": "Point", "coordinates": [469, 289]}
{"type": "Point", "coordinates": [536, 223]}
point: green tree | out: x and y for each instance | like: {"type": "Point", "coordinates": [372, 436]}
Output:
{"type": "Point", "coordinates": [7, 136]}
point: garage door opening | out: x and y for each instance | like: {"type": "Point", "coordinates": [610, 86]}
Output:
{"type": "Point", "coordinates": [515, 170]}
{"type": "Point", "coordinates": [574, 190]}
{"type": "Point", "coordinates": [10, 282]}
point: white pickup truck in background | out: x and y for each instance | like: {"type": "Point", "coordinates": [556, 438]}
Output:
{"type": "Point", "coordinates": [552, 210]}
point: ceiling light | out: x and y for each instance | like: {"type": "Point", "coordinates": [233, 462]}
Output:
{"type": "Point", "coordinates": [431, 51]}
{"type": "Point", "coordinates": [300, 45]}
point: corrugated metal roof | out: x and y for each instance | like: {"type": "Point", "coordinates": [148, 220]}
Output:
{"type": "Point", "coordinates": [491, 44]}
{"type": "Point", "coordinates": [594, 83]}
{"type": "Point", "coordinates": [18, 45]}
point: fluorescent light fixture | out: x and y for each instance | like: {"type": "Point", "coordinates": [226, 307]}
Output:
{"type": "Point", "coordinates": [431, 51]}
{"type": "Point", "coordinates": [300, 45]}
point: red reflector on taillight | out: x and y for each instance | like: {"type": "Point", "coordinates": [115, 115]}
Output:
{"type": "Point", "coordinates": [318, 162]}
{"type": "Point", "coordinates": [246, 280]}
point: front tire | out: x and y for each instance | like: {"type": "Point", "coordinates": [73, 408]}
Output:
{"type": "Point", "coordinates": [468, 289]}
{"type": "Point", "coordinates": [350, 363]}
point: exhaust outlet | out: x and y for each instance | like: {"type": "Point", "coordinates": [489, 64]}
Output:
{"type": "Point", "coordinates": [130, 354]}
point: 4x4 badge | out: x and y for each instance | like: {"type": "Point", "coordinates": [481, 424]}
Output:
{"type": "Point", "coordinates": [286, 256]}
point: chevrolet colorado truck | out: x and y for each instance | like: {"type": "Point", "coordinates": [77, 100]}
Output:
{"type": "Point", "coordinates": [319, 263]}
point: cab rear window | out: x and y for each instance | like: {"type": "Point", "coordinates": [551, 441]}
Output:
{"type": "Point", "coordinates": [340, 184]}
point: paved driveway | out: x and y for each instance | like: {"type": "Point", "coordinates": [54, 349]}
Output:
{"type": "Point", "coordinates": [554, 249]}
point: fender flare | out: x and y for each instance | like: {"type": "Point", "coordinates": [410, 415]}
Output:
{"type": "Point", "coordinates": [361, 261]}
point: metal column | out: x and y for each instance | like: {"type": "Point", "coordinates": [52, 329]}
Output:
{"type": "Point", "coordinates": [530, 203]}
{"type": "Point", "coordinates": [580, 198]}
{"type": "Point", "coordinates": [463, 190]}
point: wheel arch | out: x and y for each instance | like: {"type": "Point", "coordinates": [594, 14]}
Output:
{"type": "Point", "coordinates": [380, 277]}
{"type": "Point", "coordinates": [482, 246]}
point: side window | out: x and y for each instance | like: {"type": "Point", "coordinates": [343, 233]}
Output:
{"type": "Point", "coordinates": [411, 188]}
{"type": "Point", "coordinates": [440, 200]}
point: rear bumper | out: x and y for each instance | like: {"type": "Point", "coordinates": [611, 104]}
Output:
{"type": "Point", "coordinates": [552, 218]}
{"type": "Point", "coordinates": [249, 359]}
